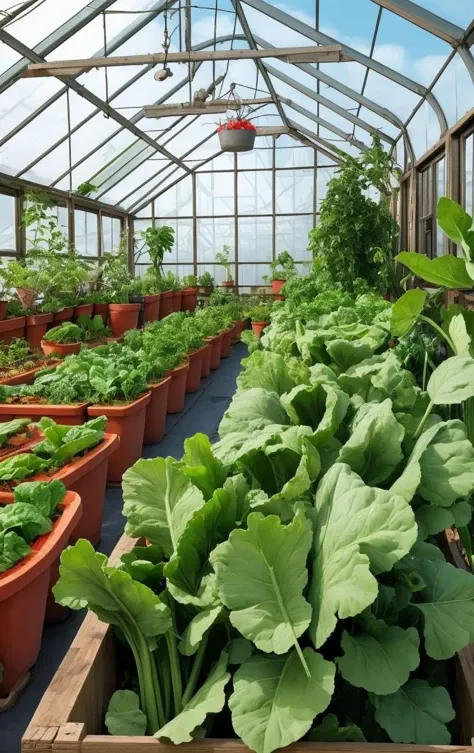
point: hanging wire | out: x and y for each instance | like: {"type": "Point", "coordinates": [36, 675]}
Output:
{"type": "Point", "coordinates": [231, 47]}
{"type": "Point", "coordinates": [106, 75]}
{"type": "Point", "coordinates": [215, 44]}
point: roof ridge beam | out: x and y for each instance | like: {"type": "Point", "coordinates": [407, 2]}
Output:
{"type": "Point", "coordinates": [424, 19]}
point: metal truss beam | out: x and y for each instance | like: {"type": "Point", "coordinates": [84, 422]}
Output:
{"type": "Point", "coordinates": [384, 70]}
{"type": "Point", "coordinates": [324, 124]}
{"type": "Point", "coordinates": [328, 103]}
{"type": "Point", "coordinates": [425, 19]}
{"type": "Point", "coordinates": [308, 138]}
{"type": "Point", "coordinates": [15, 44]}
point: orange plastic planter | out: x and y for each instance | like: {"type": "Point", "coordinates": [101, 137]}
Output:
{"type": "Point", "coordinates": [64, 315]}
{"type": "Point", "coordinates": [155, 422]}
{"type": "Point", "coordinates": [193, 379]}
{"type": "Point", "coordinates": [177, 389]}
{"type": "Point", "coordinates": [189, 299]}
{"type": "Point", "coordinates": [62, 349]}
{"type": "Point", "coordinates": [24, 593]}
{"type": "Point", "coordinates": [152, 307]}
{"type": "Point", "coordinates": [128, 422]}
{"type": "Point", "coordinates": [206, 359]}
{"type": "Point", "coordinates": [277, 286]}
{"type": "Point", "coordinates": [227, 342]}
{"type": "Point", "coordinates": [258, 327]}
{"type": "Point", "coordinates": [123, 316]}
{"type": "Point", "coordinates": [26, 377]}
{"type": "Point", "coordinates": [36, 327]}
{"type": "Point", "coordinates": [102, 309]}
{"type": "Point", "coordinates": [84, 309]}
{"type": "Point", "coordinates": [216, 349]}
{"type": "Point", "coordinates": [71, 415]}
{"type": "Point", "coordinates": [11, 328]}
{"type": "Point", "coordinates": [166, 303]}
{"type": "Point", "coordinates": [177, 300]}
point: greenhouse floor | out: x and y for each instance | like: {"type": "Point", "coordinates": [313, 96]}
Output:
{"type": "Point", "coordinates": [203, 412]}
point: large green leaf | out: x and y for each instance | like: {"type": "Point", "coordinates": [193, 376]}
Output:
{"type": "Point", "coordinates": [261, 574]}
{"type": "Point", "coordinates": [406, 310]}
{"type": "Point", "coordinates": [381, 658]}
{"type": "Point", "coordinates": [251, 411]}
{"type": "Point", "coordinates": [209, 699]}
{"type": "Point", "coordinates": [25, 518]}
{"type": "Point", "coordinates": [447, 271]}
{"type": "Point", "coordinates": [329, 731]}
{"type": "Point", "coordinates": [322, 407]}
{"type": "Point", "coordinates": [358, 529]}
{"type": "Point", "coordinates": [10, 428]}
{"type": "Point", "coordinates": [375, 448]}
{"type": "Point", "coordinates": [159, 500]}
{"type": "Point", "coordinates": [447, 464]}
{"type": "Point", "coordinates": [265, 369]}
{"type": "Point", "coordinates": [453, 380]}
{"type": "Point", "coordinates": [274, 702]}
{"type": "Point", "coordinates": [124, 716]}
{"type": "Point", "coordinates": [203, 468]}
{"type": "Point", "coordinates": [346, 353]}
{"type": "Point", "coordinates": [44, 496]}
{"type": "Point", "coordinates": [197, 628]}
{"type": "Point", "coordinates": [417, 713]}
{"type": "Point", "coordinates": [457, 224]}
{"type": "Point", "coordinates": [459, 335]}
{"type": "Point", "coordinates": [13, 548]}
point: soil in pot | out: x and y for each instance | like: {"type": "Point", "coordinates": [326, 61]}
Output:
{"type": "Point", "coordinates": [216, 349]}
{"type": "Point", "coordinates": [64, 315]}
{"type": "Point", "coordinates": [155, 422]}
{"type": "Point", "coordinates": [23, 595]}
{"type": "Point", "coordinates": [152, 307]}
{"type": "Point", "coordinates": [166, 303]}
{"type": "Point", "coordinates": [102, 309]}
{"type": "Point", "coordinates": [227, 342]}
{"type": "Point", "coordinates": [36, 328]}
{"type": "Point", "coordinates": [62, 349]}
{"type": "Point", "coordinates": [193, 379]}
{"type": "Point", "coordinates": [128, 422]}
{"type": "Point", "coordinates": [177, 388]}
{"type": "Point", "coordinates": [26, 374]}
{"type": "Point", "coordinates": [3, 309]}
{"type": "Point", "coordinates": [177, 299]}
{"type": "Point", "coordinates": [189, 300]}
{"type": "Point", "coordinates": [12, 328]}
{"type": "Point", "coordinates": [206, 360]}
{"type": "Point", "coordinates": [123, 316]}
{"type": "Point", "coordinates": [258, 328]}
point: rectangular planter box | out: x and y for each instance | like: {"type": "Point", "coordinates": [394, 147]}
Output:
{"type": "Point", "coordinates": [27, 377]}
{"type": "Point", "coordinates": [70, 716]}
{"type": "Point", "coordinates": [71, 415]}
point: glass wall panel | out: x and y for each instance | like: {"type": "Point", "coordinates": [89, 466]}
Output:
{"type": "Point", "coordinates": [215, 194]}
{"type": "Point", "coordinates": [86, 235]}
{"type": "Point", "coordinates": [212, 235]}
{"type": "Point", "coordinates": [468, 189]}
{"type": "Point", "coordinates": [291, 234]}
{"type": "Point", "coordinates": [294, 191]}
{"type": "Point", "coordinates": [111, 234]}
{"type": "Point", "coordinates": [255, 192]}
{"type": "Point", "coordinates": [7, 223]}
{"type": "Point", "coordinates": [255, 239]}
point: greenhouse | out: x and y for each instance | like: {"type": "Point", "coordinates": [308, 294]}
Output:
{"type": "Point", "coordinates": [236, 376]}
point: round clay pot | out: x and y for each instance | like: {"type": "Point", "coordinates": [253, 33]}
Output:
{"type": "Point", "coordinates": [177, 299]}
{"type": "Point", "coordinates": [206, 359]}
{"type": "Point", "coordinates": [193, 379]}
{"type": "Point", "coordinates": [166, 303]}
{"type": "Point", "coordinates": [258, 328]}
{"type": "Point", "coordinates": [128, 422]}
{"type": "Point", "coordinates": [64, 314]}
{"type": "Point", "coordinates": [62, 349]}
{"type": "Point", "coordinates": [36, 327]}
{"type": "Point", "coordinates": [177, 388]}
{"type": "Point", "coordinates": [155, 422]}
{"type": "Point", "coordinates": [216, 349]}
{"type": "Point", "coordinates": [123, 316]}
{"type": "Point", "coordinates": [11, 328]}
{"type": "Point", "coordinates": [3, 309]}
{"type": "Point", "coordinates": [277, 286]}
{"type": "Point", "coordinates": [227, 342]}
{"type": "Point", "coordinates": [27, 297]}
{"type": "Point", "coordinates": [189, 301]}
{"type": "Point", "coordinates": [152, 307]}
{"type": "Point", "coordinates": [24, 592]}
{"type": "Point", "coordinates": [84, 309]}
{"type": "Point", "coordinates": [102, 309]}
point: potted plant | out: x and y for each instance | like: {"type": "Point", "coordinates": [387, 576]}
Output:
{"type": "Point", "coordinates": [117, 282]}
{"type": "Point", "coordinates": [216, 324]}
{"type": "Point", "coordinates": [283, 268]}
{"type": "Point", "coordinates": [260, 318]}
{"type": "Point", "coordinates": [150, 289]}
{"type": "Point", "coordinates": [19, 363]}
{"type": "Point", "coordinates": [205, 283]}
{"type": "Point", "coordinates": [68, 338]}
{"type": "Point", "coordinates": [100, 301]}
{"type": "Point", "coordinates": [189, 299]}
{"type": "Point", "coordinates": [52, 394]}
{"type": "Point", "coordinates": [237, 134]}
{"type": "Point", "coordinates": [223, 259]}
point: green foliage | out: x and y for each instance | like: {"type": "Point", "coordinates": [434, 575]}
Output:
{"type": "Point", "coordinates": [259, 313]}
{"type": "Point", "coordinates": [205, 280]}
{"type": "Point", "coordinates": [223, 259]}
{"type": "Point", "coordinates": [283, 267]}
{"type": "Point", "coordinates": [159, 240]}
{"type": "Point", "coordinates": [86, 188]}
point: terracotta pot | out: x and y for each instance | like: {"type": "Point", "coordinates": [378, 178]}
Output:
{"type": "Point", "coordinates": [177, 299]}
{"type": "Point", "coordinates": [216, 349]}
{"type": "Point", "coordinates": [128, 422]}
{"type": "Point", "coordinates": [155, 422]}
{"type": "Point", "coordinates": [84, 309]}
{"type": "Point", "coordinates": [62, 349]}
{"type": "Point", "coordinates": [227, 342]}
{"type": "Point", "coordinates": [64, 315]}
{"type": "Point", "coordinates": [25, 378]}
{"type": "Point", "coordinates": [23, 595]}
{"type": "Point", "coordinates": [71, 415]}
{"type": "Point", "coordinates": [206, 359]}
{"type": "Point", "coordinates": [277, 286]}
{"type": "Point", "coordinates": [193, 379]}
{"type": "Point", "coordinates": [166, 303]}
{"type": "Point", "coordinates": [238, 327]}
{"type": "Point", "coordinates": [11, 328]}
{"type": "Point", "coordinates": [152, 307]}
{"type": "Point", "coordinates": [258, 328]}
{"type": "Point", "coordinates": [189, 300]}
{"type": "Point", "coordinates": [123, 316]}
{"type": "Point", "coordinates": [36, 327]}
{"type": "Point", "coordinates": [177, 388]}
{"type": "Point", "coordinates": [102, 309]}
{"type": "Point", "coordinates": [229, 284]}
{"type": "Point", "coordinates": [27, 297]}
{"type": "Point", "coordinates": [3, 309]}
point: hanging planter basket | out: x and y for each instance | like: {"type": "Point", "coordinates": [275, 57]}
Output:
{"type": "Point", "coordinates": [237, 135]}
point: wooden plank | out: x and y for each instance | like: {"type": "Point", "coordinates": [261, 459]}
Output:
{"type": "Point", "coordinates": [204, 108]}
{"type": "Point", "coordinates": [311, 54]}
{"type": "Point", "coordinates": [69, 738]}
{"type": "Point", "coordinates": [104, 744]}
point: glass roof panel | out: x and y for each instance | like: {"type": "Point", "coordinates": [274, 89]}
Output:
{"type": "Point", "coordinates": [41, 20]}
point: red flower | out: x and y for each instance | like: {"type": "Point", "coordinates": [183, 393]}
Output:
{"type": "Point", "coordinates": [237, 124]}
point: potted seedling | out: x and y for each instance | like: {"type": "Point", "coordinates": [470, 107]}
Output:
{"type": "Point", "coordinates": [189, 300]}
{"type": "Point", "coordinates": [117, 281]}
{"type": "Point", "coordinates": [283, 267]}
{"type": "Point", "coordinates": [260, 318]}
{"type": "Point", "coordinates": [205, 283]}
{"type": "Point", "coordinates": [159, 240]}
{"type": "Point", "coordinates": [223, 259]}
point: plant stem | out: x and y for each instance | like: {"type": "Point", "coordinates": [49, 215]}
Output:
{"type": "Point", "coordinates": [175, 668]}
{"type": "Point", "coordinates": [440, 331]}
{"type": "Point", "coordinates": [423, 421]}
{"type": "Point", "coordinates": [425, 367]}
{"type": "Point", "coordinates": [163, 667]}
{"type": "Point", "coordinates": [196, 670]}
{"type": "Point", "coordinates": [150, 696]}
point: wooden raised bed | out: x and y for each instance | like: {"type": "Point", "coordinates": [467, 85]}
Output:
{"type": "Point", "coordinates": [70, 716]}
